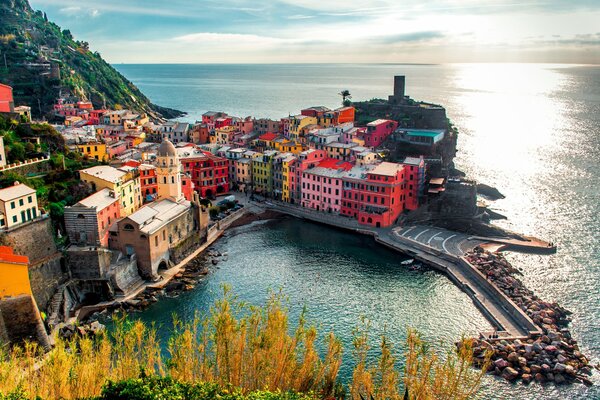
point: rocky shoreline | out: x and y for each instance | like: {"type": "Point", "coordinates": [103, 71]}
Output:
{"type": "Point", "coordinates": [554, 356]}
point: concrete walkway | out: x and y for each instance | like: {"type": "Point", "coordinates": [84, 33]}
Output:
{"type": "Point", "coordinates": [441, 249]}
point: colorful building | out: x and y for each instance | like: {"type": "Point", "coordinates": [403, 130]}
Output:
{"type": "Point", "coordinates": [287, 177]}
{"type": "Point", "coordinates": [307, 159]}
{"type": "Point", "coordinates": [209, 173]}
{"type": "Point", "coordinates": [124, 181]}
{"type": "Point", "coordinates": [415, 181]}
{"type": "Point", "coordinates": [14, 273]}
{"type": "Point", "coordinates": [226, 134]}
{"type": "Point", "coordinates": [344, 115]}
{"type": "Point", "coordinates": [298, 125]}
{"type": "Point", "coordinates": [264, 125]}
{"type": "Point", "coordinates": [95, 150]}
{"type": "Point", "coordinates": [7, 103]}
{"type": "Point", "coordinates": [377, 131]}
{"type": "Point", "coordinates": [243, 171]}
{"type": "Point", "coordinates": [18, 204]}
{"type": "Point", "coordinates": [262, 172]}
{"type": "Point", "coordinates": [88, 221]}
{"type": "Point", "coordinates": [322, 185]}
{"type": "Point", "coordinates": [374, 195]}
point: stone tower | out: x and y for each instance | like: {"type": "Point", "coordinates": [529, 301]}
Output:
{"type": "Point", "coordinates": [168, 172]}
{"type": "Point", "coordinates": [399, 87]}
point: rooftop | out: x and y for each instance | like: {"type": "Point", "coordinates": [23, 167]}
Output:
{"type": "Point", "coordinates": [378, 122]}
{"type": "Point", "coordinates": [155, 215]}
{"type": "Point", "coordinates": [99, 200]}
{"type": "Point", "coordinates": [105, 172]}
{"type": "Point", "coordinates": [15, 192]}
{"type": "Point", "coordinates": [268, 136]}
{"type": "Point", "coordinates": [423, 132]}
{"type": "Point", "coordinates": [387, 169]}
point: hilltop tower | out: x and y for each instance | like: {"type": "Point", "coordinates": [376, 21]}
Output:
{"type": "Point", "coordinates": [168, 172]}
{"type": "Point", "coordinates": [399, 88]}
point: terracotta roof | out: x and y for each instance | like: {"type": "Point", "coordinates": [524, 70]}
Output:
{"type": "Point", "coordinates": [268, 136]}
{"type": "Point", "coordinates": [7, 255]}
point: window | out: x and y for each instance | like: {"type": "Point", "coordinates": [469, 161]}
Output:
{"type": "Point", "coordinates": [128, 227]}
{"type": "Point", "coordinates": [14, 218]}
{"type": "Point", "coordinates": [21, 202]}
{"type": "Point", "coordinates": [30, 199]}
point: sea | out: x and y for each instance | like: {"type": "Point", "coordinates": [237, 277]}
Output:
{"type": "Point", "coordinates": [530, 130]}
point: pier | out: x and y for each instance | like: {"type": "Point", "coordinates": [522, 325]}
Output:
{"type": "Point", "coordinates": [443, 250]}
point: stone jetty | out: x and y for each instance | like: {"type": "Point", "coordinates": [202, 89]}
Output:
{"type": "Point", "coordinates": [553, 356]}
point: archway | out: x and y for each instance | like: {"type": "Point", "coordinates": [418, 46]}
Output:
{"type": "Point", "coordinates": [163, 265]}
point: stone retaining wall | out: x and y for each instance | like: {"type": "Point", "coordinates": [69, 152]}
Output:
{"type": "Point", "coordinates": [21, 320]}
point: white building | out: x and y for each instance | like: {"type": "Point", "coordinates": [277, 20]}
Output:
{"type": "Point", "coordinates": [18, 204]}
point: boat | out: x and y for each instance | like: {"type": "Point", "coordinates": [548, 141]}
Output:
{"type": "Point", "coordinates": [408, 262]}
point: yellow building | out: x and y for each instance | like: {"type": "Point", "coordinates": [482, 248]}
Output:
{"type": "Point", "coordinates": [298, 125]}
{"type": "Point", "coordinates": [94, 150]}
{"type": "Point", "coordinates": [225, 134]}
{"type": "Point", "coordinates": [18, 204]}
{"type": "Point", "coordinates": [14, 273]}
{"type": "Point", "coordinates": [286, 177]}
{"type": "Point", "coordinates": [339, 151]}
{"type": "Point", "coordinates": [125, 182]}
{"type": "Point", "coordinates": [262, 172]}
{"type": "Point", "coordinates": [288, 146]}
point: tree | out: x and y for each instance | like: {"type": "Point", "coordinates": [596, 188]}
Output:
{"type": "Point", "coordinates": [346, 96]}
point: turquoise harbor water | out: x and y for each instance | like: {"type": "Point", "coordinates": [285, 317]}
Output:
{"type": "Point", "coordinates": [533, 131]}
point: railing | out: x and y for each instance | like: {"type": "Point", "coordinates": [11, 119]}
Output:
{"type": "Point", "coordinates": [23, 163]}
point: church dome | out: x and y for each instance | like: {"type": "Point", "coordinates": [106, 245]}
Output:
{"type": "Point", "coordinates": [166, 149]}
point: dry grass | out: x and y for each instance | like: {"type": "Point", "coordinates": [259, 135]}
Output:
{"type": "Point", "coordinates": [248, 348]}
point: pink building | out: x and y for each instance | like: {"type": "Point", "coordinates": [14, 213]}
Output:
{"type": "Point", "coordinates": [222, 122]}
{"type": "Point", "coordinates": [96, 116]}
{"type": "Point", "coordinates": [322, 185]}
{"type": "Point", "coordinates": [87, 222]}
{"type": "Point", "coordinates": [187, 186]}
{"type": "Point", "coordinates": [116, 149]}
{"type": "Point", "coordinates": [378, 131]}
{"type": "Point", "coordinates": [307, 159]}
{"type": "Point", "coordinates": [245, 126]}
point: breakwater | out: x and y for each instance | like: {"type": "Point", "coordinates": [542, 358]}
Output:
{"type": "Point", "coordinates": [551, 356]}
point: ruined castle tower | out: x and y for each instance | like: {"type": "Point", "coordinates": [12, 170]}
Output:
{"type": "Point", "coordinates": [168, 172]}
{"type": "Point", "coordinates": [399, 87]}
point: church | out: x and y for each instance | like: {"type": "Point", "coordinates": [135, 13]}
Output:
{"type": "Point", "coordinates": [164, 232]}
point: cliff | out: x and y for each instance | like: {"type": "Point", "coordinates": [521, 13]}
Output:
{"type": "Point", "coordinates": [41, 61]}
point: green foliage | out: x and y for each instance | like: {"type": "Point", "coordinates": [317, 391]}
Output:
{"type": "Point", "coordinates": [214, 211]}
{"type": "Point", "coordinates": [149, 388]}
{"type": "Point", "coordinates": [23, 32]}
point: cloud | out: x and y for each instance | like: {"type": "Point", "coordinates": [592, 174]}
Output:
{"type": "Point", "coordinates": [77, 12]}
{"type": "Point", "coordinates": [300, 16]}
{"type": "Point", "coordinates": [409, 37]}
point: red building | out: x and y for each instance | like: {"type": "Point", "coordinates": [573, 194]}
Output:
{"type": "Point", "coordinates": [222, 122]}
{"type": "Point", "coordinates": [187, 186]}
{"type": "Point", "coordinates": [95, 116]}
{"type": "Point", "coordinates": [378, 131]}
{"type": "Point", "coordinates": [7, 103]}
{"type": "Point", "coordinates": [344, 114]}
{"type": "Point", "coordinates": [208, 172]}
{"type": "Point", "coordinates": [375, 195]}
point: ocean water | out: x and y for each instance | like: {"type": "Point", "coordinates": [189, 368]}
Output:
{"type": "Point", "coordinates": [531, 130]}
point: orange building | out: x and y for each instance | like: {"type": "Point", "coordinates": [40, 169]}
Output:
{"type": "Point", "coordinates": [344, 114]}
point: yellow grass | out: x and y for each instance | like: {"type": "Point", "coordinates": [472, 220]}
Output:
{"type": "Point", "coordinates": [249, 348]}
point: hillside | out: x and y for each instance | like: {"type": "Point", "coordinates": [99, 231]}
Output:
{"type": "Point", "coordinates": [41, 61]}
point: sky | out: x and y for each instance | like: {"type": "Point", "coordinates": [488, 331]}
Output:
{"type": "Point", "coordinates": [324, 31]}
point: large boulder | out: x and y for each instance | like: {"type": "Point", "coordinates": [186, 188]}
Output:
{"type": "Point", "coordinates": [510, 374]}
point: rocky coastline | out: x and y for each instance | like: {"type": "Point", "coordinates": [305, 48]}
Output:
{"type": "Point", "coordinates": [554, 356]}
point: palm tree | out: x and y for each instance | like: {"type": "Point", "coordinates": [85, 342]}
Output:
{"type": "Point", "coordinates": [345, 97]}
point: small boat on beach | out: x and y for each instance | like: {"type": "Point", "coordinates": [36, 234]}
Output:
{"type": "Point", "coordinates": [408, 262]}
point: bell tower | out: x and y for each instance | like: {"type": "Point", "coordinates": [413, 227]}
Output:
{"type": "Point", "coordinates": [168, 172]}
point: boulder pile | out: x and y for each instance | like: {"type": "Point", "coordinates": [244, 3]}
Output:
{"type": "Point", "coordinates": [553, 356]}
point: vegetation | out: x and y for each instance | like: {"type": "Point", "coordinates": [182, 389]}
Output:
{"type": "Point", "coordinates": [42, 61]}
{"type": "Point", "coordinates": [346, 96]}
{"type": "Point", "coordinates": [237, 352]}
{"type": "Point", "coordinates": [59, 187]}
